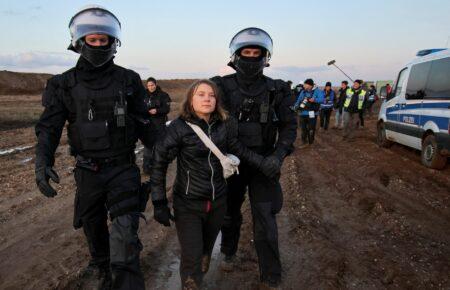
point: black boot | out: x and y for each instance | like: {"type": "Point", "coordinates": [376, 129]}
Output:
{"type": "Point", "coordinates": [95, 277]}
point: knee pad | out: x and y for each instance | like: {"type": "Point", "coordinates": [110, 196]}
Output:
{"type": "Point", "coordinates": [124, 241]}
{"type": "Point", "coordinates": [124, 203]}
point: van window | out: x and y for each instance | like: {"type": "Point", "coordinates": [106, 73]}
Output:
{"type": "Point", "coordinates": [438, 85]}
{"type": "Point", "coordinates": [400, 82]}
{"type": "Point", "coordinates": [417, 81]}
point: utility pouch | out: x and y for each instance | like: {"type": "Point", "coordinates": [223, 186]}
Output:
{"type": "Point", "coordinates": [264, 113]}
{"type": "Point", "coordinates": [94, 135]}
{"type": "Point", "coordinates": [250, 133]}
{"type": "Point", "coordinates": [119, 115]}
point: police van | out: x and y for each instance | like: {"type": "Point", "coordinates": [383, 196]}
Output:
{"type": "Point", "coordinates": [417, 112]}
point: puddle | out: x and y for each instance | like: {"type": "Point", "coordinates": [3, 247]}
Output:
{"type": "Point", "coordinates": [173, 281]}
{"type": "Point", "coordinates": [15, 150]}
{"type": "Point", "coordinates": [26, 160]}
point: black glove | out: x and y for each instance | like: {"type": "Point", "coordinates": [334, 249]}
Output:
{"type": "Point", "coordinates": [271, 166]}
{"type": "Point", "coordinates": [43, 174]}
{"type": "Point", "coordinates": [162, 212]}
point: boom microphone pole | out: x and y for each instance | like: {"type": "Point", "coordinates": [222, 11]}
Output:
{"type": "Point", "coordinates": [333, 62]}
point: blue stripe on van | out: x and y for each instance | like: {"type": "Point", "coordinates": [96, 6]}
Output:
{"type": "Point", "coordinates": [441, 122]}
{"type": "Point", "coordinates": [424, 105]}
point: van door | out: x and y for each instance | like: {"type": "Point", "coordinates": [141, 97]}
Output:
{"type": "Point", "coordinates": [393, 106]}
{"type": "Point", "coordinates": [410, 107]}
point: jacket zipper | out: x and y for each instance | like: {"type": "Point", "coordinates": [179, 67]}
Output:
{"type": "Point", "coordinates": [188, 181]}
{"type": "Point", "coordinates": [210, 165]}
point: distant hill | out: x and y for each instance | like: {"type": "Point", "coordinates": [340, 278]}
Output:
{"type": "Point", "coordinates": [15, 83]}
{"type": "Point", "coordinates": [19, 83]}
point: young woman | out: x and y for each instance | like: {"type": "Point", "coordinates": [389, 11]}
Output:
{"type": "Point", "coordinates": [199, 191]}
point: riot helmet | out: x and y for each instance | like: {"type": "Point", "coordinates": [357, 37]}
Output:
{"type": "Point", "coordinates": [251, 37]}
{"type": "Point", "coordinates": [94, 19]}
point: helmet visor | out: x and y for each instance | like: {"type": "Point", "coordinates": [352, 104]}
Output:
{"type": "Point", "coordinates": [94, 21]}
{"type": "Point", "coordinates": [251, 37]}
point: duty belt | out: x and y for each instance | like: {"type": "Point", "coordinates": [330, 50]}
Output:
{"type": "Point", "coordinates": [95, 164]}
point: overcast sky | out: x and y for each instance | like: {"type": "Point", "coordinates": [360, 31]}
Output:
{"type": "Point", "coordinates": [371, 40]}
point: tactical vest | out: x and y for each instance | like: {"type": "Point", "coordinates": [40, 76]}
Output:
{"type": "Point", "coordinates": [99, 124]}
{"type": "Point", "coordinates": [255, 112]}
{"type": "Point", "coordinates": [362, 94]}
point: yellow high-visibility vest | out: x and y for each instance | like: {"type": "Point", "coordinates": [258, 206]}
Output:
{"type": "Point", "coordinates": [349, 93]}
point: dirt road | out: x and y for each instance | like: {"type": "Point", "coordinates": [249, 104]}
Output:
{"type": "Point", "coordinates": [355, 217]}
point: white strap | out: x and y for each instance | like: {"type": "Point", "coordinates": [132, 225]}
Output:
{"type": "Point", "coordinates": [208, 143]}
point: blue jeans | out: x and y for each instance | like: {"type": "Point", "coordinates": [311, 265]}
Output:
{"type": "Point", "coordinates": [339, 119]}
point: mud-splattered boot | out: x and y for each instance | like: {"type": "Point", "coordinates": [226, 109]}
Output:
{"type": "Point", "coordinates": [105, 279]}
{"type": "Point", "coordinates": [189, 284]}
{"type": "Point", "coordinates": [228, 263]}
{"type": "Point", "coordinates": [206, 259]}
{"type": "Point", "coordinates": [268, 286]}
{"type": "Point", "coordinates": [95, 278]}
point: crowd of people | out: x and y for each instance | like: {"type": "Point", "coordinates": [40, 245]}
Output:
{"type": "Point", "coordinates": [350, 104]}
{"type": "Point", "coordinates": [229, 140]}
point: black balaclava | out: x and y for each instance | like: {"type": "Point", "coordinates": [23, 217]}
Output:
{"type": "Point", "coordinates": [98, 55]}
{"type": "Point", "coordinates": [249, 69]}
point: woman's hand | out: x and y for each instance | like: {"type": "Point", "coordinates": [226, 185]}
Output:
{"type": "Point", "coordinates": [152, 111]}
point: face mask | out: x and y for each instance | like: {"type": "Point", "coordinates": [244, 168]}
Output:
{"type": "Point", "coordinates": [98, 55]}
{"type": "Point", "coordinates": [249, 66]}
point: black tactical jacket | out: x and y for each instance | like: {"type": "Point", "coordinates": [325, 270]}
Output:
{"type": "Point", "coordinates": [87, 98]}
{"type": "Point", "coordinates": [273, 133]}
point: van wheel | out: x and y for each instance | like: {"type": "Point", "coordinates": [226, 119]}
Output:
{"type": "Point", "coordinates": [381, 136]}
{"type": "Point", "coordinates": [430, 155]}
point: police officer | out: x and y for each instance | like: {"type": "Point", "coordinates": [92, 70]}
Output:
{"type": "Point", "coordinates": [266, 126]}
{"type": "Point", "coordinates": [104, 106]}
{"type": "Point", "coordinates": [158, 106]}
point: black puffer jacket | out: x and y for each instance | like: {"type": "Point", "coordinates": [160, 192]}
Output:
{"type": "Point", "coordinates": [199, 172]}
{"type": "Point", "coordinates": [340, 99]}
{"type": "Point", "coordinates": [159, 100]}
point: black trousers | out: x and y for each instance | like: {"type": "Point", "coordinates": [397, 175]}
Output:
{"type": "Point", "coordinates": [325, 115]}
{"type": "Point", "coordinates": [369, 107]}
{"type": "Point", "coordinates": [266, 200]}
{"type": "Point", "coordinates": [113, 190]}
{"type": "Point", "coordinates": [197, 232]}
{"type": "Point", "coordinates": [308, 126]}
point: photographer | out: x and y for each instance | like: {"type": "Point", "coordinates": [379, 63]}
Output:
{"type": "Point", "coordinates": [158, 106]}
{"type": "Point", "coordinates": [308, 105]}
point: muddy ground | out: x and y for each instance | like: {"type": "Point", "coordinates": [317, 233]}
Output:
{"type": "Point", "coordinates": [355, 216]}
